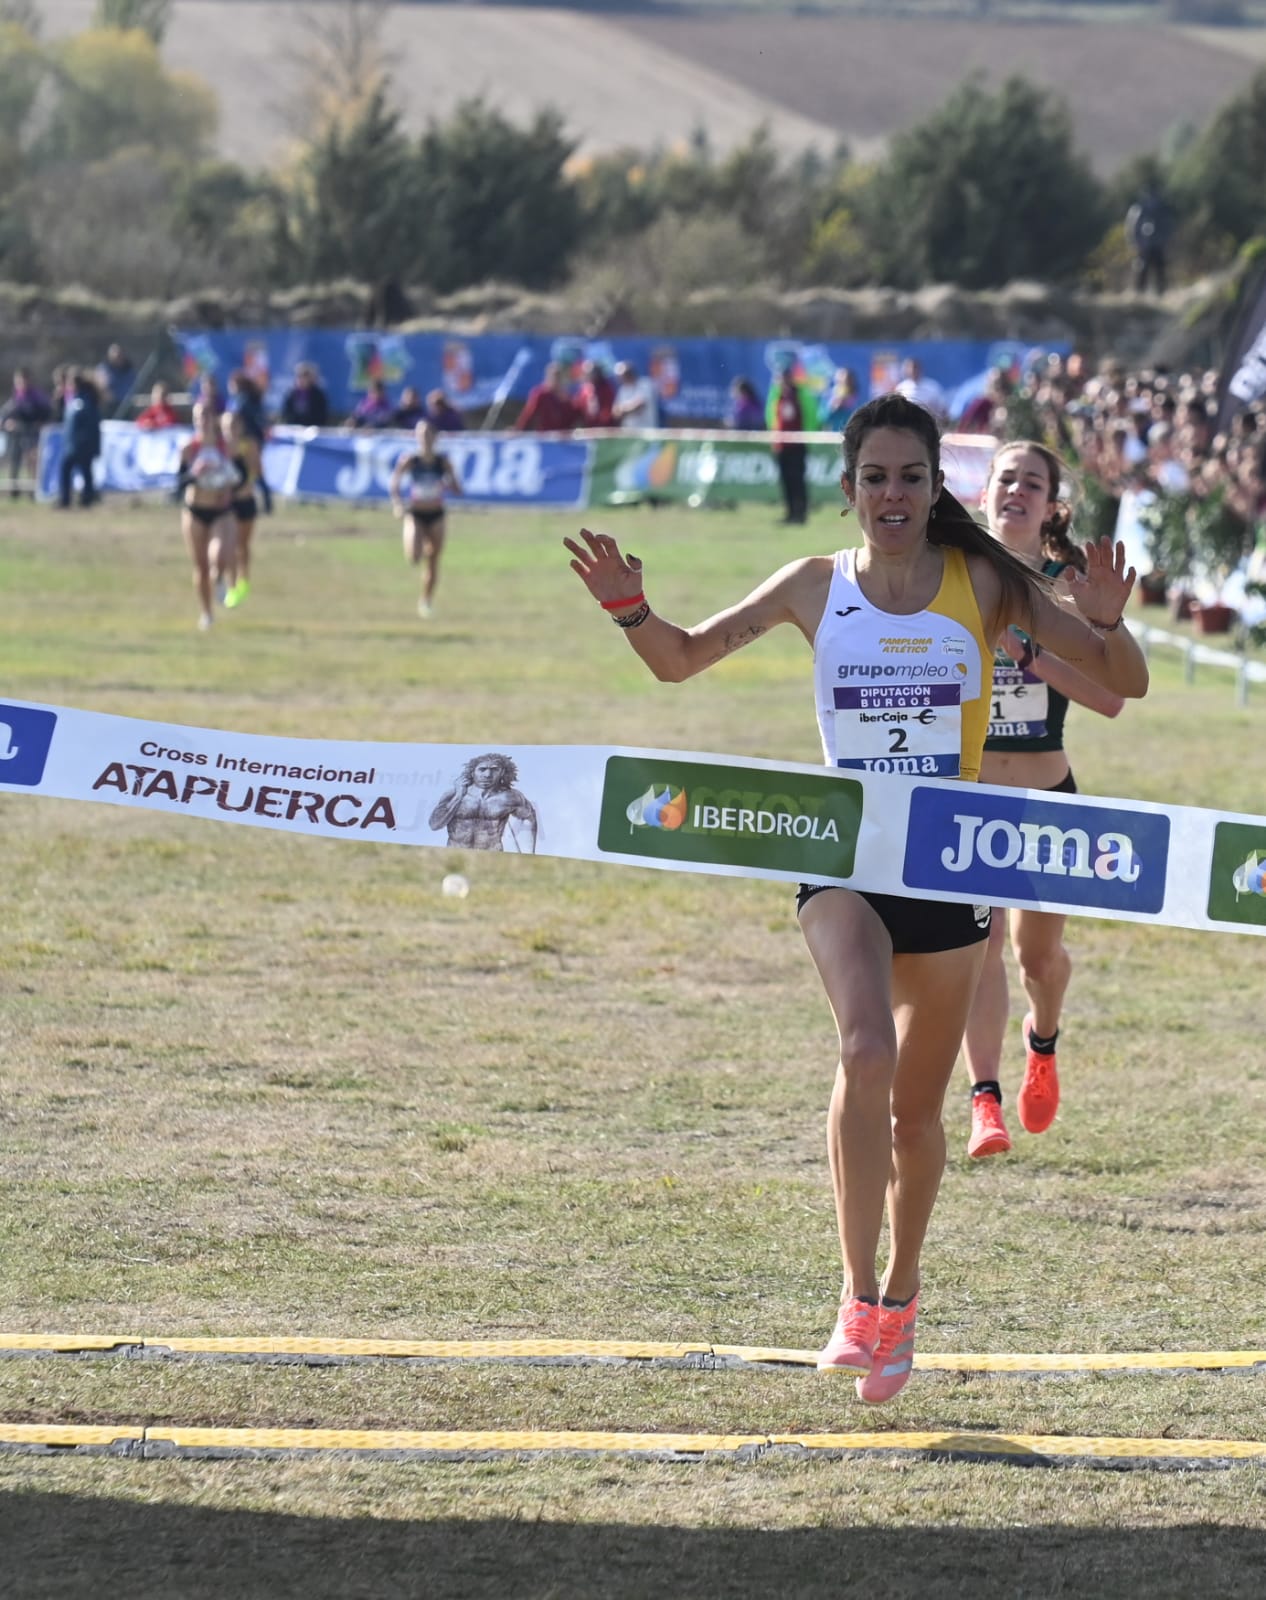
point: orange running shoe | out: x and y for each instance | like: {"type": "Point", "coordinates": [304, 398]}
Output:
{"type": "Point", "coordinates": [894, 1354]}
{"type": "Point", "coordinates": [851, 1347]}
{"type": "Point", "coordinates": [1038, 1099]}
{"type": "Point", "coordinates": [989, 1136]}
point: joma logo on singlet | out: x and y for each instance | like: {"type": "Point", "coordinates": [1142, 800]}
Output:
{"type": "Point", "coordinates": [1050, 849]}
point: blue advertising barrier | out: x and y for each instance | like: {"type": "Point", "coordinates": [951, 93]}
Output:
{"type": "Point", "coordinates": [692, 377]}
{"type": "Point", "coordinates": [494, 469]}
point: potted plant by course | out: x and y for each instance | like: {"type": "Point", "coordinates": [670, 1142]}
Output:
{"type": "Point", "coordinates": [1164, 523]}
{"type": "Point", "coordinates": [1220, 541]}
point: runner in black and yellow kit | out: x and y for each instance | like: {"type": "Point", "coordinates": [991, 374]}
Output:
{"type": "Point", "coordinates": [899, 973]}
{"type": "Point", "coordinates": [422, 480]}
{"type": "Point", "coordinates": [1024, 749]}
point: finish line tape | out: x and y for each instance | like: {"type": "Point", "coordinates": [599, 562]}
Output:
{"type": "Point", "coordinates": [887, 829]}
{"type": "Point", "coordinates": [580, 1351]}
{"type": "Point", "coordinates": [148, 1443]}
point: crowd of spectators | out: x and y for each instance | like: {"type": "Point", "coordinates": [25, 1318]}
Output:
{"type": "Point", "coordinates": [1161, 465]}
{"type": "Point", "coordinates": [1151, 433]}
{"type": "Point", "coordinates": [1137, 438]}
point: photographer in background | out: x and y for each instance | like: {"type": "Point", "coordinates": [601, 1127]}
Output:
{"type": "Point", "coordinates": [1149, 226]}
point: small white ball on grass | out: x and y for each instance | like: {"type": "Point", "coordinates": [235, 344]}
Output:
{"type": "Point", "coordinates": [455, 887]}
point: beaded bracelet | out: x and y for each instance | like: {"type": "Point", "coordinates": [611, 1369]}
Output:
{"type": "Point", "coordinates": [1106, 627]}
{"type": "Point", "coordinates": [635, 619]}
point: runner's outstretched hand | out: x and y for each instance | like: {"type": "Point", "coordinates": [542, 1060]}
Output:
{"type": "Point", "coordinates": [604, 571]}
{"type": "Point", "coordinates": [1101, 591]}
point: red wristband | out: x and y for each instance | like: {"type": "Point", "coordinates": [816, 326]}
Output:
{"type": "Point", "coordinates": [619, 605]}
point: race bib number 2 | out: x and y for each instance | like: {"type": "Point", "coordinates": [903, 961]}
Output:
{"type": "Point", "coordinates": [916, 728]}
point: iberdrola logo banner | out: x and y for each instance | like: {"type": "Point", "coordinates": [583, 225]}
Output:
{"type": "Point", "coordinates": [925, 838]}
{"type": "Point", "coordinates": [680, 810]}
{"type": "Point", "coordinates": [1237, 886]}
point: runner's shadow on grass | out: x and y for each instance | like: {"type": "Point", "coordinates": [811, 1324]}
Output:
{"type": "Point", "coordinates": [72, 1548]}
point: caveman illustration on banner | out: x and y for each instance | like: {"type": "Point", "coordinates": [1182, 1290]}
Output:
{"type": "Point", "coordinates": [483, 804]}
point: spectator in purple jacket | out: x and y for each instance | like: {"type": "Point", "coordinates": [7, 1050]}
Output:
{"type": "Point", "coordinates": [442, 416]}
{"type": "Point", "coordinates": [746, 412]}
{"type": "Point", "coordinates": [410, 411]}
{"type": "Point", "coordinates": [374, 409]}
{"type": "Point", "coordinates": [21, 417]}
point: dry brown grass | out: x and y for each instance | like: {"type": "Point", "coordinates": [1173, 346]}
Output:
{"type": "Point", "coordinates": [262, 1084]}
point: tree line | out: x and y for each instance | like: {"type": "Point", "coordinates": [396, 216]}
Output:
{"type": "Point", "coordinates": [107, 181]}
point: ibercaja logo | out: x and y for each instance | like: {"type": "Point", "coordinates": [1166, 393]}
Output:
{"type": "Point", "coordinates": [682, 810]}
{"type": "Point", "coordinates": [1237, 878]}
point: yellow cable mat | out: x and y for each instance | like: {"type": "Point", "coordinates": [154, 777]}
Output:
{"type": "Point", "coordinates": [153, 1443]}
{"type": "Point", "coordinates": [562, 1350]}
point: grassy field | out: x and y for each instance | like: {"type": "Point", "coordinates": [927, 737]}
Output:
{"type": "Point", "coordinates": [257, 1084]}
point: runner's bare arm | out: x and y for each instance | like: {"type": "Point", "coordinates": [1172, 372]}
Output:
{"type": "Point", "coordinates": [673, 653]}
{"type": "Point", "coordinates": [393, 487]}
{"type": "Point", "coordinates": [1061, 676]}
{"type": "Point", "coordinates": [1074, 685]}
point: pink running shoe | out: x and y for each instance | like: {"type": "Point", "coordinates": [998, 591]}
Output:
{"type": "Point", "coordinates": [851, 1347]}
{"type": "Point", "coordinates": [989, 1136]}
{"type": "Point", "coordinates": [1038, 1099]}
{"type": "Point", "coordinates": [894, 1354]}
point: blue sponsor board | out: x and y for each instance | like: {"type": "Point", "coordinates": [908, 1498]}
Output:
{"type": "Point", "coordinates": [494, 469]}
{"type": "Point", "coordinates": [26, 734]}
{"type": "Point", "coordinates": [993, 847]}
{"type": "Point", "coordinates": [692, 377]}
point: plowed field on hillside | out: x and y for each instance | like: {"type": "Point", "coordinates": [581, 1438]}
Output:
{"type": "Point", "coordinates": [870, 76]}
{"type": "Point", "coordinates": [643, 80]}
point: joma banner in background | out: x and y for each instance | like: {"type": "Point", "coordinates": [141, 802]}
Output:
{"type": "Point", "coordinates": [509, 469]}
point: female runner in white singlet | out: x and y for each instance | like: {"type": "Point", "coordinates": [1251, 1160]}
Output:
{"type": "Point", "coordinates": [898, 973]}
{"type": "Point", "coordinates": [207, 480]}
